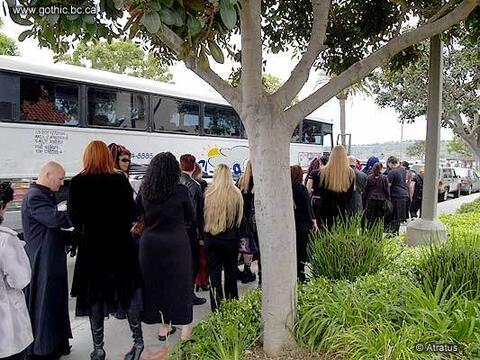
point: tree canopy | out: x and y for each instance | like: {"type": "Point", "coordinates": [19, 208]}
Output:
{"type": "Point", "coordinates": [7, 45]}
{"type": "Point", "coordinates": [120, 56]}
{"type": "Point", "coordinates": [406, 89]}
{"type": "Point", "coordinates": [417, 149]}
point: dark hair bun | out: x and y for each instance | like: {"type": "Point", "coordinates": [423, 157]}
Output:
{"type": "Point", "coordinates": [6, 193]}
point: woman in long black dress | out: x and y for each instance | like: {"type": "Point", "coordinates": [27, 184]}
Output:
{"type": "Point", "coordinates": [165, 253]}
{"type": "Point", "coordinates": [107, 275]}
{"type": "Point", "coordinates": [304, 218]}
{"type": "Point", "coordinates": [335, 188]}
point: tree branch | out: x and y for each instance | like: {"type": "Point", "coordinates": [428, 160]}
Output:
{"type": "Point", "coordinates": [251, 39]}
{"type": "Point", "coordinates": [361, 69]}
{"type": "Point", "coordinates": [175, 43]}
{"type": "Point", "coordinates": [301, 72]}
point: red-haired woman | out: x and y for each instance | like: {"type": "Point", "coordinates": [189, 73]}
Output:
{"type": "Point", "coordinates": [304, 218]}
{"type": "Point", "coordinates": [107, 274]}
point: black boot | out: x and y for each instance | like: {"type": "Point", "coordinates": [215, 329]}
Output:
{"type": "Point", "coordinates": [98, 352]}
{"type": "Point", "coordinates": [96, 324]}
{"type": "Point", "coordinates": [136, 327]}
{"type": "Point", "coordinates": [248, 275]}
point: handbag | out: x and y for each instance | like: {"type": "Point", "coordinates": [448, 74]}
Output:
{"type": "Point", "coordinates": [139, 227]}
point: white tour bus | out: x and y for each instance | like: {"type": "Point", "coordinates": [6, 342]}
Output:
{"type": "Point", "coordinates": [51, 112]}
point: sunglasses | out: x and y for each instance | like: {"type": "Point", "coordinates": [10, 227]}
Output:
{"type": "Point", "coordinates": [124, 160]}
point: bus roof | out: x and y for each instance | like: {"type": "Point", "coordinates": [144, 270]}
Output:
{"type": "Point", "coordinates": [105, 78]}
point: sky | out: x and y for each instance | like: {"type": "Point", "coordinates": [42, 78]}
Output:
{"type": "Point", "coordinates": [367, 122]}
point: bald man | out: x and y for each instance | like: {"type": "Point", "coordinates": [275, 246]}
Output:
{"type": "Point", "coordinates": [47, 294]}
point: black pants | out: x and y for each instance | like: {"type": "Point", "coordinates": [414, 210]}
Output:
{"type": "Point", "coordinates": [375, 211]}
{"type": "Point", "coordinates": [195, 246]}
{"type": "Point", "coordinates": [302, 242]}
{"type": "Point", "coordinates": [19, 356]}
{"type": "Point", "coordinates": [399, 214]}
{"type": "Point", "coordinates": [222, 254]}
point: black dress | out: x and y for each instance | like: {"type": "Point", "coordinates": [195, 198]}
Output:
{"type": "Point", "coordinates": [166, 259]}
{"type": "Point", "coordinates": [102, 209]}
{"type": "Point", "coordinates": [304, 217]}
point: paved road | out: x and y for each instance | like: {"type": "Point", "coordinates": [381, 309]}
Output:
{"type": "Point", "coordinates": [451, 205]}
{"type": "Point", "coordinates": [117, 333]}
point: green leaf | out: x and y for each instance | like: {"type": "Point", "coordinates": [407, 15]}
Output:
{"type": "Point", "coordinates": [203, 60]}
{"type": "Point", "coordinates": [216, 52]}
{"type": "Point", "coordinates": [167, 16]}
{"type": "Point", "coordinates": [49, 35]}
{"type": "Point", "coordinates": [151, 20]}
{"type": "Point", "coordinates": [155, 6]}
{"type": "Point", "coordinates": [25, 34]}
{"type": "Point", "coordinates": [52, 19]}
{"type": "Point", "coordinates": [196, 5]}
{"type": "Point", "coordinates": [89, 19]}
{"type": "Point", "coordinates": [118, 4]}
{"type": "Point", "coordinates": [194, 25]}
{"type": "Point", "coordinates": [228, 14]}
{"type": "Point", "coordinates": [72, 17]}
{"type": "Point", "coordinates": [179, 17]}
{"type": "Point", "coordinates": [167, 3]}
{"type": "Point", "coordinates": [180, 2]}
{"type": "Point", "coordinates": [91, 28]}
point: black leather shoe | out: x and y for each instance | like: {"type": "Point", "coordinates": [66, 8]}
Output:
{"type": "Point", "coordinates": [198, 300]}
{"type": "Point", "coordinates": [170, 332]}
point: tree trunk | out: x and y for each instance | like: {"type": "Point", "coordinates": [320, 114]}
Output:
{"type": "Point", "coordinates": [269, 144]}
{"type": "Point", "coordinates": [343, 101]}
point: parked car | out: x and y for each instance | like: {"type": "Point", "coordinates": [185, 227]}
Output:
{"type": "Point", "coordinates": [469, 180]}
{"type": "Point", "coordinates": [451, 182]}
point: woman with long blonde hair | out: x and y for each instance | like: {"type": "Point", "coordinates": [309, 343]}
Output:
{"type": "Point", "coordinates": [337, 182]}
{"type": "Point", "coordinates": [223, 228]}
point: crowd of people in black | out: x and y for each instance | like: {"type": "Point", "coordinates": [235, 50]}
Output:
{"type": "Point", "coordinates": [140, 256]}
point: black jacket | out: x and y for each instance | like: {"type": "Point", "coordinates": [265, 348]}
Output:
{"type": "Point", "coordinates": [47, 294]}
{"type": "Point", "coordinates": [196, 197]}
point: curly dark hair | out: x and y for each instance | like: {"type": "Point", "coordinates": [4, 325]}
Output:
{"type": "Point", "coordinates": [6, 195]}
{"type": "Point", "coordinates": [162, 175]}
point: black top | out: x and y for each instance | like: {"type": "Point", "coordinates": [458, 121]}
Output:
{"type": "Point", "coordinates": [418, 189]}
{"type": "Point", "coordinates": [377, 188]}
{"type": "Point", "coordinates": [398, 182]}
{"type": "Point", "coordinates": [315, 177]}
{"type": "Point", "coordinates": [196, 197]}
{"type": "Point", "coordinates": [303, 208]}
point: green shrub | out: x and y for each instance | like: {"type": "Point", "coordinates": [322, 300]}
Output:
{"type": "Point", "coordinates": [347, 250]}
{"type": "Point", "coordinates": [225, 334]}
{"type": "Point", "coordinates": [445, 316]}
{"type": "Point", "coordinates": [473, 206]}
{"type": "Point", "coordinates": [456, 263]}
{"type": "Point", "coordinates": [462, 223]}
{"type": "Point", "coordinates": [326, 308]}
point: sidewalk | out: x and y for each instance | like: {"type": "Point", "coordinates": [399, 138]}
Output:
{"type": "Point", "coordinates": [118, 339]}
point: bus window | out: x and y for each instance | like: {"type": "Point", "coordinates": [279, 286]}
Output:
{"type": "Point", "coordinates": [175, 115]}
{"type": "Point", "coordinates": [312, 132]}
{"type": "Point", "coordinates": [221, 120]}
{"type": "Point", "coordinates": [48, 102]}
{"type": "Point", "coordinates": [296, 134]}
{"type": "Point", "coordinates": [115, 108]}
{"type": "Point", "coordinates": [9, 97]}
